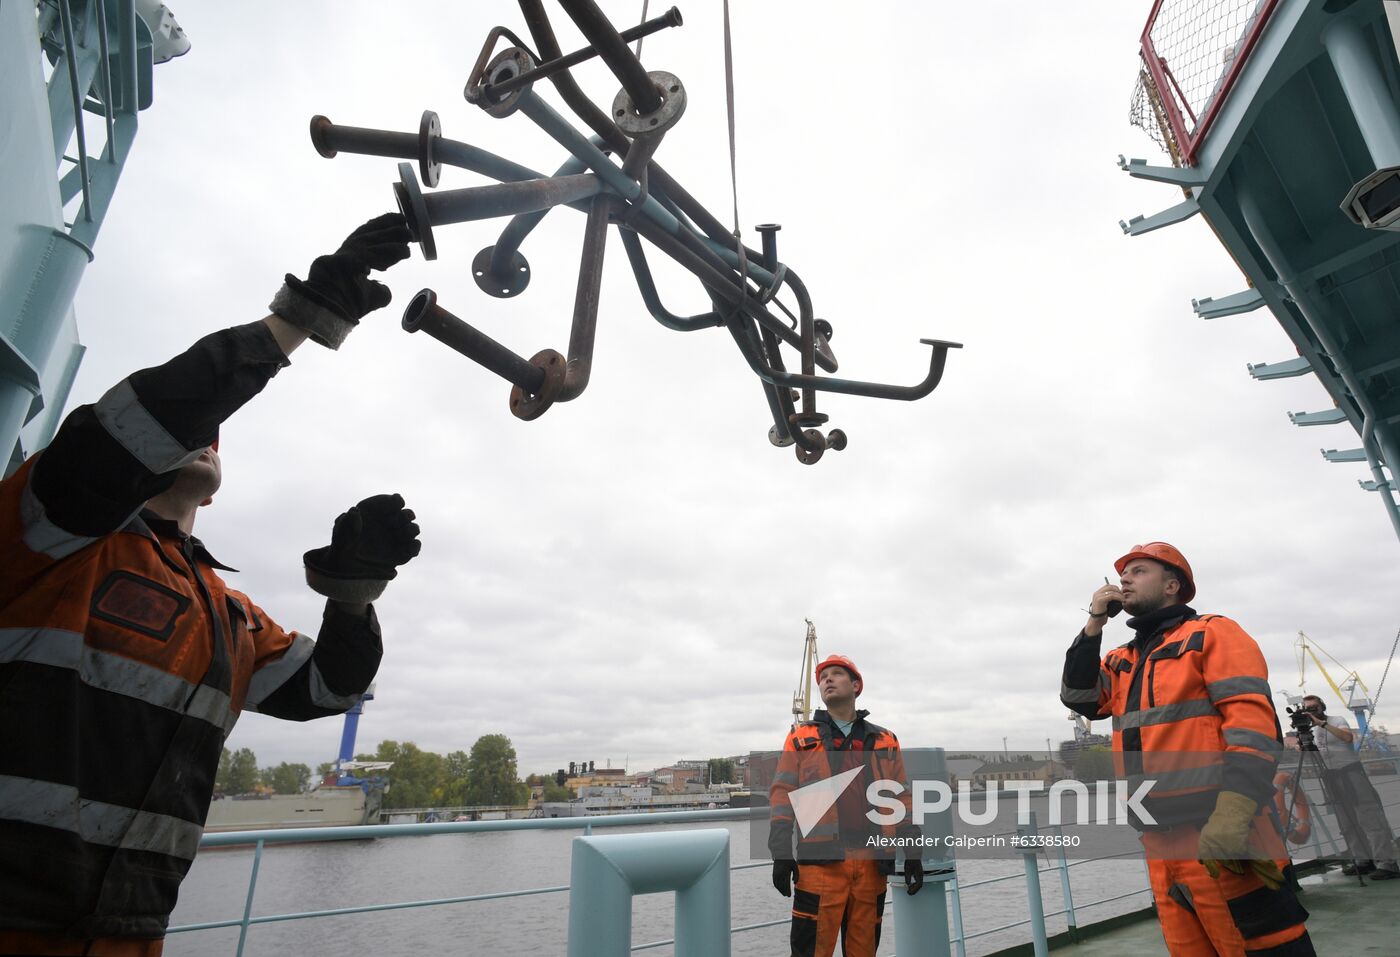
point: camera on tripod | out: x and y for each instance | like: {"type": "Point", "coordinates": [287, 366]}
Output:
{"type": "Point", "coordinates": [1302, 722]}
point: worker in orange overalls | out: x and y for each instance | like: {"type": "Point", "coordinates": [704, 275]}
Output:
{"type": "Point", "coordinates": [1192, 711]}
{"type": "Point", "coordinates": [840, 883]}
{"type": "Point", "coordinates": [125, 658]}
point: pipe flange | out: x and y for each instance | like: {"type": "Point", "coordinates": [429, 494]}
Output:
{"type": "Point", "coordinates": [415, 210]}
{"type": "Point", "coordinates": [780, 439]}
{"type": "Point", "coordinates": [417, 310]}
{"type": "Point", "coordinates": [509, 63]}
{"type": "Point", "coordinates": [320, 135]}
{"type": "Point", "coordinates": [808, 420]}
{"type": "Point", "coordinates": [813, 455]}
{"type": "Point", "coordinates": [836, 440]}
{"type": "Point", "coordinates": [625, 114]}
{"type": "Point", "coordinates": [528, 407]}
{"type": "Point", "coordinates": [429, 132]}
{"type": "Point", "coordinates": [512, 283]}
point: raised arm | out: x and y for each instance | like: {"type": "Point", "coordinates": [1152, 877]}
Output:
{"type": "Point", "coordinates": [109, 457]}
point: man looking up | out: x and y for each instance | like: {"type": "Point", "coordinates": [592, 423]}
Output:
{"type": "Point", "coordinates": [1191, 707]}
{"type": "Point", "coordinates": [840, 886]}
{"type": "Point", "coordinates": [125, 659]}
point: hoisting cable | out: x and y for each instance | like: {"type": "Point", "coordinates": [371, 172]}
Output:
{"type": "Point", "coordinates": [733, 164]}
{"type": "Point", "coordinates": [1380, 687]}
{"type": "Point", "coordinates": [638, 52]}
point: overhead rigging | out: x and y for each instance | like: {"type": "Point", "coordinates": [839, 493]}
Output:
{"type": "Point", "coordinates": [639, 197]}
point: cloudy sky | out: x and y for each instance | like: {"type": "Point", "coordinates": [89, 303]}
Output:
{"type": "Point", "coordinates": [626, 578]}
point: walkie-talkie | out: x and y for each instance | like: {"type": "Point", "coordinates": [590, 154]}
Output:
{"type": "Point", "coordinates": [1114, 606]}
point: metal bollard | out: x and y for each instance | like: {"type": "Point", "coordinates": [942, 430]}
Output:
{"type": "Point", "coordinates": [607, 872]}
{"type": "Point", "coordinates": [921, 921]}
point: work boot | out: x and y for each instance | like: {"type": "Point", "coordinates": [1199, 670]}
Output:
{"type": "Point", "coordinates": [1385, 871]}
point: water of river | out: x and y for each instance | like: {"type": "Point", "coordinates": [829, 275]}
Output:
{"type": "Point", "coordinates": [304, 877]}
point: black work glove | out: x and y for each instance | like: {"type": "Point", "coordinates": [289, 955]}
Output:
{"type": "Point", "coordinates": [784, 876]}
{"type": "Point", "coordinates": [337, 292]}
{"type": "Point", "coordinates": [913, 874]}
{"type": "Point", "coordinates": [368, 544]}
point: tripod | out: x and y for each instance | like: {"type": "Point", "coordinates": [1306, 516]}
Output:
{"type": "Point", "coordinates": [1308, 753]}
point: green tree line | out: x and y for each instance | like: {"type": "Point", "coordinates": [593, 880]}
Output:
{"type": "Point", "coordinates": [239, 774]}
{"type": "Point", "coordinates": [486, 775]}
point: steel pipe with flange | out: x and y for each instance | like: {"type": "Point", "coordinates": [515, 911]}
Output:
{"type": "Point", "coordinates": [423, 211]}
{"type": "Point", "coordinates": [424, 314]}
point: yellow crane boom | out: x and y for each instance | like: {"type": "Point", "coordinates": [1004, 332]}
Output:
{"type": "Point", "coordinates": [802, 697]}
{"type": "Point", "coordinates": [1351, 680]}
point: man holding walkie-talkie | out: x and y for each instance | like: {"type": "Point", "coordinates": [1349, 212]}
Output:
{"type": "Point", "coordinates": [1192, 713]}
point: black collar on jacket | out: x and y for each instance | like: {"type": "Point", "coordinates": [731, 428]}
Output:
{"type": "Point", "coordinates": [170, 529]}
{"type": "Point", "coordinates": [1158, 622]}
{"type": "Point", "coordinates": [829, 729]}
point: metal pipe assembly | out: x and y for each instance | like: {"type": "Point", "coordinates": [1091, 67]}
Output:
{"type": "Point", "coordinates": [612, 177]}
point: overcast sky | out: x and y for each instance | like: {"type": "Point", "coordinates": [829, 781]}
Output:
{"type": "Point", "coordinates": [625, 579]}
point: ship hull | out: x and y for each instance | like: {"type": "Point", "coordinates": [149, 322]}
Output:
{"type": "Point", "coordinates": [324, 807]}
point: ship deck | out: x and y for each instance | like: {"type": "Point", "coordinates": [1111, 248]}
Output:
{"type": "Point", "coordinates": [1344, 918]}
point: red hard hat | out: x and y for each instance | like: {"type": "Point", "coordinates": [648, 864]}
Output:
{"type": "Point", "coordinates": [841, 661]}
{"type": "Point", "coordinates": [1167, 555]}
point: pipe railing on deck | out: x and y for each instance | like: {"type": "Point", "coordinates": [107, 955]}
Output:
{"type": "Point", "coordinates": [1037, 920]}
{"type": "Point", "coordinates": [959, 938]}
{"type": "Point", "coordinates": [259, 839]}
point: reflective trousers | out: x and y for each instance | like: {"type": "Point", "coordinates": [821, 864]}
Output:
{"type": "Point", "coordinates": [1229, 916]}
{"type": "Point", "coordinates": [842, 898]}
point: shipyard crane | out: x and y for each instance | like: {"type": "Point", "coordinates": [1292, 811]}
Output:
{"type": "Point", "coordinates": [348, 772]}
{"type": "Point", "coordinates": [1351, 690]}
{"type": "Point", "coordinates": [802, 697]}
{"type": "Point", "coordinates": [1081, 727]}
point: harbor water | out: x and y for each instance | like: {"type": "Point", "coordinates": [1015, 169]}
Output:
{"type": "Point", "coordinates": [337, 874]}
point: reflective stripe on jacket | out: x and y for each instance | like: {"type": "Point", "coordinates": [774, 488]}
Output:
{"type": "Point", "coordinates": [125, 659]}
{"type": "Point", "coordinates": [1191, 710]}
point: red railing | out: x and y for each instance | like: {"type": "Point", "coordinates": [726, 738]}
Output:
{"type": "Point", "coordinates": [1197, 32]}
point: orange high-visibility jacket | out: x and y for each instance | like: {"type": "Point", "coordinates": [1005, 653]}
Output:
{"type": "Point", "coordinates": [1191, 710]}
{"type": "Point", "coordinates": [809, 755]}
{"type": "Point", "coordinates": [125, 659]}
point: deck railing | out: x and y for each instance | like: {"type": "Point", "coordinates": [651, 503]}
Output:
{"type": "Point", "coordinates": [1031, 874]}
{"type": "Point", "coordinates": [1324, 843]}
{"type": "Point", "coordinates": [1325, 839]}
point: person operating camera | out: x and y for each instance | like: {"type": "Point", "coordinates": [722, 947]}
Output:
{"type": "Point", "coordinates": [1370, 842]}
